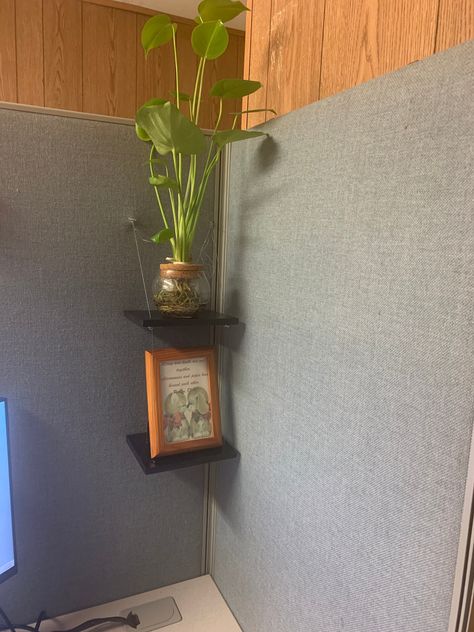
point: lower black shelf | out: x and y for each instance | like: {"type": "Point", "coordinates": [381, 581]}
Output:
{"type": "Point", "coordinates": [141, 449]}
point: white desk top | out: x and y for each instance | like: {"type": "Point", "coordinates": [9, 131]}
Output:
{"type": "Point", "coordinates": [201, 605]}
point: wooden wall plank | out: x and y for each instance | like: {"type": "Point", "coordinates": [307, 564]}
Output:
{"type": "Point", "coordinates": [247, 59]}
{"type": "Point", "coordinates": [361, 40]}
{"type": "Point", "coordinates": [29, 51]}
{"type": "Point", "coordinates": [139, 10]}
{"type": "Point", "coordinates": [62, 36]}
{"type": "Point", "coordinates": [225, 67]}
{"type": "Point", "coordinates": [455, 24]}
{"type": "Point", "coordinates": [295, 62]}
{"type": "Point", "coordinates": [367, 38]}
{"type": "Point", "coordinates": [241, 104]}
{"type": "Point", "coordinates": [187, 60]}
{"type": "Point", "coordinates": [8, 89]}
{"type": "Point", "coordinates": [240, 56]}
{"type": "Point", "coordinates": [260, 20]}
{"type": "Point", "coordinates": [109, 61]}
{"type": "Point", "coordinates": [155, 74]}
{"type": "Point", "coordinates": [231, 67]}
{"type": "Point", "coordinates": [408, 32]}
{"type": "Point", "coordinates": [85, 55]}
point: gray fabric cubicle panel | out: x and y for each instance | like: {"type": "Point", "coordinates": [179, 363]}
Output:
{"type": "Point", "coordinates": [90, 526]}
{"type": "Point", "coordinates": [348, 390]}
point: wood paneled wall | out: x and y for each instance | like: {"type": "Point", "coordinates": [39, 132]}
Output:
{"type": "Point", "coordinates": [85, 55]}
{"type": "Point", "coordinates": [304, 51]}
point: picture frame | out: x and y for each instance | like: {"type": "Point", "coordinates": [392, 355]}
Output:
{"type": "Point", "coordinates": [183, 400]}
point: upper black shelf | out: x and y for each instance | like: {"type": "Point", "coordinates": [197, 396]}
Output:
{"type": "Point", "coordinates": [203, 317]}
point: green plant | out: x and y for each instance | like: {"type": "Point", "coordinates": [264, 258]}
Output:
{"type": "Point", "coordinates": [176, 138]}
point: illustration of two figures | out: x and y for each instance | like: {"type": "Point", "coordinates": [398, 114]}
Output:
{"type": "Point", "coordinates": [187, 418]}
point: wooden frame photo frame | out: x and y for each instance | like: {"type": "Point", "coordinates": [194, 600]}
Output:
{"type": "Point", "coordinates": [183, 400]}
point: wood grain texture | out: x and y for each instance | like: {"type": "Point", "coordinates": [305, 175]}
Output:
{"type": "Point", "coordinates": [85, 55]}
{"type": "Point", "coordinates": [295, 62]}
{"type": "Point", "coordinates": [109, 61]}
{"type": "Point", "coordinates": [455, 24]}
{"type": "Point", "coordinates": [29, 51]}
{"type": "Point", "coordinates": [155, 73]}
{"type": "Point", "coordinates": [471, 619]}
{"type": "Point", "coordinates": [247, 59]}
{"type": "Point", "coordinates": [258, 63]}
{"type": "Point", "coordinates": [187, 61]}
{"type": "Point", "coordinates": [367, 38]}
{"type": "Point", "coordinates": [8, 91]}
{"type": "Point", "coordinates": [225, 67]}
{"type": "Point", "coordinates": [134, 8]}
{"type": "Point", "coordinates": [241, 104]}
{"type": "Point", "coordinates": [62, 36]}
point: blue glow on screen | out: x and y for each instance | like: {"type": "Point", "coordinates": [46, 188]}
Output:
{"type": "Point", "coordinates": [7, 554]}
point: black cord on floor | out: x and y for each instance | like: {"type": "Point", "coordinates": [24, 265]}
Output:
{"type": "Point", "coordinates": [131, 620]}
{"type": "Point", "coordinates": [42, 615]}
{"type": "Point", "coordinates": [7, 621]}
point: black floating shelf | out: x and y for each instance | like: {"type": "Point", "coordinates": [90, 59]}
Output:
{"type": "Point", "coordinates": [203, 317]}
{"type": "Point", "coordinates": [141, 449]}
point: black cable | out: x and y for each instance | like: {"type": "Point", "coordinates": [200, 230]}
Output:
{"type": "Point", "coordinates": [7, 621]}
{"type": "Point", "coordinates": [42, 615]}
{"type": "Point", "coordinates": [131, 620]}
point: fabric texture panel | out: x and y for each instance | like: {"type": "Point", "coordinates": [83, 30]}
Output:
{"type": "Point", "coordinates": [349, 385]}
{"type": "Point", "coordinates": [90, 526]}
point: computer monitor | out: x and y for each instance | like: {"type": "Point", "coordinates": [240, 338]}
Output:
{"type": "Point", "coordinates": [7, 541]}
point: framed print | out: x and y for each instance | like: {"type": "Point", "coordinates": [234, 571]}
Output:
{"type": "Point", "coordinates": [183, 400]}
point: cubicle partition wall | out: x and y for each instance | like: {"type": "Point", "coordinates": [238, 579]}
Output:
{"type": "Point", "coordinates": [347, 254]}
{"type": "Point", "coordinates": [348, 389]}
{"type": "Point", "coordinates": [90, 526]}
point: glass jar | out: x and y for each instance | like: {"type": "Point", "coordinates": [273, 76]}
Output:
{"type": "Point", "coordinates": [177, 289]}
{"type": "Point", "coordinates": [204, 290]}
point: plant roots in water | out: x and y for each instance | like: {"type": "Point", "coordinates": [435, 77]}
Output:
{"type": "Point", "coordinates": [181, 300]}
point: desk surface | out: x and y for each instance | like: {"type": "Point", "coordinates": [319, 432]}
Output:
{"type": "Point", "coordinates": [199, 601]}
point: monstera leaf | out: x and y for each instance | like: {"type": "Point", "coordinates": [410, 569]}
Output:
{"type": "Point", "coordinates": [163, 236]}
{"type": "Point", "coordinates": [163, 182]}
{"type": "Point", "coordinates": [169, 130]}
{"type": "Point", "coordinates": [210, 39]}
{"type": "Point", "coordinates": [223, 10]}
{"type": "Point", "coordinates": [234, 135]}
{"type": "Point", "coordinates": [142, 135]}
{"type": "Point", "coordinates": [234, 88]}
{"type": "Point", "coordinates": [157, 31]}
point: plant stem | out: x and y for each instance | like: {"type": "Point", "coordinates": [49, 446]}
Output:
{"type": "Point", "coordinates": [196, 90]}
{"type": "Point", "coordinates": [201, 192]}
{"type": "Point", "coordinates": [195, 211]}
{"type": "Point", "coordinates": [198, 104]}
{"type": "Point", "coordinates": [173, 208]}
{"type": "Point", "coordinates": [158, 198]}
{"type": "Point", "coordinates": [176, 67]}
{"type": "Point", "coordinates": [219, 116]}
{"type": "Point", "coordinates": [181, 236]}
